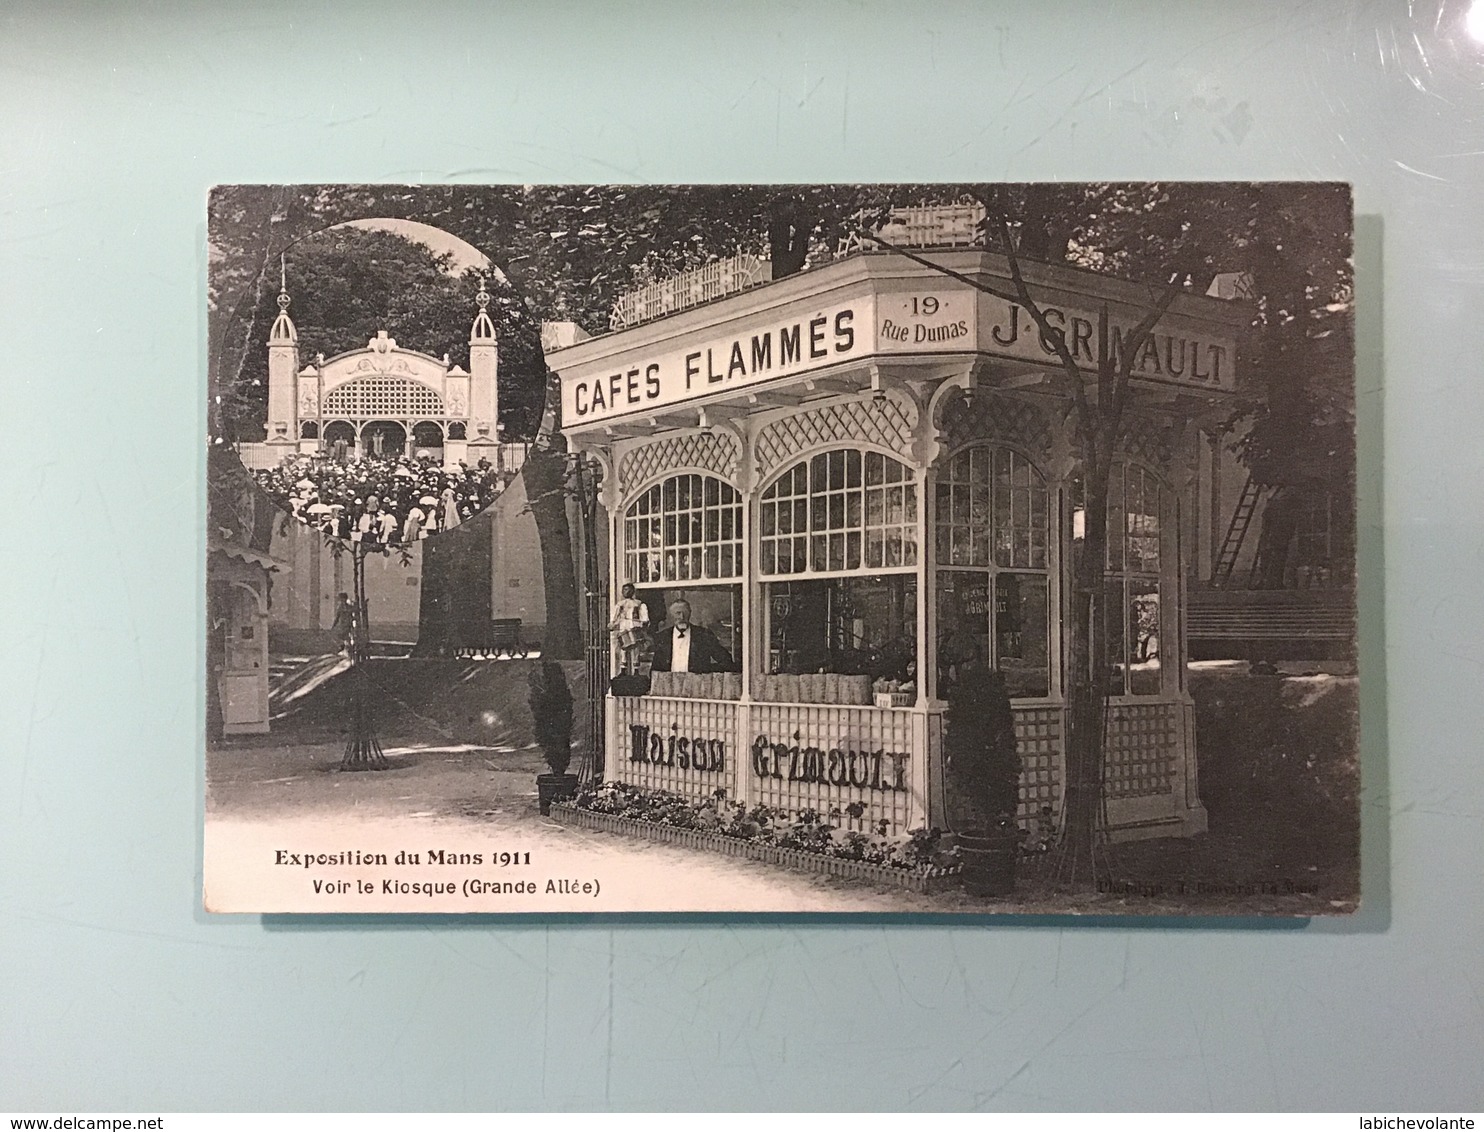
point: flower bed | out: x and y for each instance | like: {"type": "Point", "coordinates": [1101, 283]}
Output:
{"type": "Point", "coordinates": [921, 861]}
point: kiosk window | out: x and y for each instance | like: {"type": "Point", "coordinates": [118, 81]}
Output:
{"type": "Point", "coordinates": [1131, 604]}
{"type": "Point", "coordinates": [687, 528]}
{"type": "Point", "coordinates": [992, 531]}
{"type": "Point", "coordinates": [839, 512]}
{"type": "Point", "coordinates": [855, 625]}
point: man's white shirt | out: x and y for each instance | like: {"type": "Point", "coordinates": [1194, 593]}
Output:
{"type": "Point", "coordinates": [680, 649]}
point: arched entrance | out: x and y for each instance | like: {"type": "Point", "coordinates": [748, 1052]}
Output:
{"type": "Point", "coordinates": [383, 439]}
{"type": "Point", "coordinates": [427, 438]}
{"type": "Point", "coordinates": [337, 432]}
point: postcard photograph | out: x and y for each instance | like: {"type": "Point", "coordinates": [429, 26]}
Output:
{"type": "Point", "coordinates": [837, 548]}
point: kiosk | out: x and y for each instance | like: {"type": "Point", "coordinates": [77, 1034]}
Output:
{"type": "Point", "coordinates": [861, 475]}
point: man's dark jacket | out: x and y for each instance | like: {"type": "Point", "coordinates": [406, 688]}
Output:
{"type": "Point", "coordinates": [706, 653]}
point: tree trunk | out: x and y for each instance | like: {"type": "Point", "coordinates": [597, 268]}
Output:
{"type": "Point", "coordinates": [1275, 540]}
{"type": "Point", "coordinates": [789, 228]}
{"type": "Point", "coordinates": [545, 473]}
{"type": "Point", "coordinates": [1078, 861]}
{"type": "Point", "coordinates": [456, 604]}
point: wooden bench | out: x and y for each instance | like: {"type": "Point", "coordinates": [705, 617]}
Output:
{"type": "Point", "coordinates": [499, 635]}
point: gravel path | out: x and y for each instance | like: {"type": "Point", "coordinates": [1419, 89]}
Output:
{"type": "Point", "coordinates": [266, 803]}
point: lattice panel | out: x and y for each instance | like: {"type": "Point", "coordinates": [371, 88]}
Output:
{"type": "Point", "coordinates": [855, 735]}
{"type": "Point", "coordinates": [649, 752]}
{"type": "Point", "coordinates": [711, 451]}
{"type": "Point", "coordinates": [1149, 441]}
{"type": "Point", "coordinates": [383, 397]}
{"type": "Point", "coordinates": [889, 425]}
{"type": "Point", "coordinates": [1140, 751]}
{"type": "Point", "coordinates": [988, 417]}
{"type": "Point", "coordinates": [1038, 737]}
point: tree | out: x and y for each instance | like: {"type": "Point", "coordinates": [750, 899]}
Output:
{"type": "Point", "coordinates": [1098, 420]}
{"type": "Point", "coordinates": [1290, 244]}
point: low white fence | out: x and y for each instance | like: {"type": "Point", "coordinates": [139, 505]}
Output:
{"type": "Point", "coordinates": [689, 289]}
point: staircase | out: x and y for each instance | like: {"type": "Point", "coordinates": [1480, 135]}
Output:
{"type": "Point", "coordinates": [1314, 624]}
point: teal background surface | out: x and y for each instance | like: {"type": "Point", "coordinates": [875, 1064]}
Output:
{"type": "Point", "coordinates": [118, 993]}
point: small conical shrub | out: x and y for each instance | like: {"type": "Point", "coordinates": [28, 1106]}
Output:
{"type": "Point", "coordinates": [983, 765]}
{"type": "Point", "coordinates": [551, 715]}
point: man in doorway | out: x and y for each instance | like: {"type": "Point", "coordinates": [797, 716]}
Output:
{"type": "Point", "coordinates": [685, 647]}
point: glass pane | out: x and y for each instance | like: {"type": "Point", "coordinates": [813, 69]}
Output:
{"type": "Point", "coordinates": [977, 498]}
{"type": "Point", "coordinates": [819, 475]}
{"type": "Point", "coordinates": [846, 626]}
{"type": "Point", "coordinates": [960, 555]}
{"type": "Point", "coordinates": [1113, 630]}
{"type": "Point", "coordinates": [893, 547]}
{"type": "Point", "coordinates": [963, 623]}
{"type": "Point", "coordinates": [1021, 634]}
{"type": "Point", "coordinates": [1144, 638]}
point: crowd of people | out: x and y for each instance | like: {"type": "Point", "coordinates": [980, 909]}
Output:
{"type": "Point", "coordinates": [386, 501]}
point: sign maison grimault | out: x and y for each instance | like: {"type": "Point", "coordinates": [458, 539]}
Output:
{"type": "Point", "coordinates": [795, 340]}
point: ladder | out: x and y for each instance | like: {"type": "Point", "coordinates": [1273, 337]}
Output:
{"type": "Point", "coordinates": [1236, 533]}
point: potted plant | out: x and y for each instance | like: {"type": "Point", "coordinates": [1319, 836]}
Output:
{"type": "Point", "coordinates": [983, 770]}
{"type": "Point", "coordinates": [551, 715]}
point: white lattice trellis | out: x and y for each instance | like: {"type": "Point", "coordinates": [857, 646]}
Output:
{"type": "Point", "coordinates": [998, 418]}
{"type": "Point", "coordinates": [889, 425]}
{"type": "Point", "coordinates": [1141, 751]}
{"type": "Point", "coordinates": [383, 397]}
{"type": "Point", "coordinates": [707, 451]}
{"type": "Point", "coordinates": [1038, 737]}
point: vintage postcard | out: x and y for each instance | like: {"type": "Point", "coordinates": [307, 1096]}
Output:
{"type": "Point", "coordinates": [809, 548]}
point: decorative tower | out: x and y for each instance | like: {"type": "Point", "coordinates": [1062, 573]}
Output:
{"type": "Point", "coordinates": [484, 397]}
{"type": "Point", "coordinates": [283, 368]}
